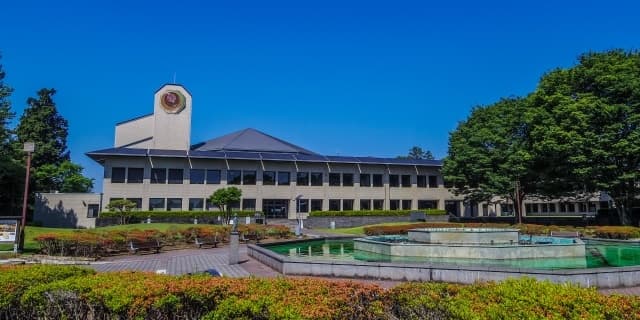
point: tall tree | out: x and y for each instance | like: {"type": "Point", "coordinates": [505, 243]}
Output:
{"type": "Point", "coordinates": [489, 155]}
{"type": "Point", "coordinates": [417, 153]}
{"type": "Point", "coordinates": [224, 198]}
{"type": "Point", "coordinates": [586, 127]}
{"type": "Point", "coordinates": [66, 177]}
{"type": "Point", "coordinates": [11, 171]}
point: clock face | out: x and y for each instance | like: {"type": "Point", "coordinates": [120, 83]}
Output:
{"type": "Point", "coordinates": [172, 101]}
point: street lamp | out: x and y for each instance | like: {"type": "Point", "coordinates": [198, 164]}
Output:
{"type": "Point", "coordinates": [29, 148]}
{"type": "Point", "coordinates": [299, 220]}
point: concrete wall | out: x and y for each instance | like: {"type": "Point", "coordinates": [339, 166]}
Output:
{"type": "Point", "coordinates": [135, 133]}
{"type": "Point", "coordinates": [67, 210]}
{"type": "Point", "coordinates": [349, 222]}
{"type": "Point", "coordinates": [597, 277]}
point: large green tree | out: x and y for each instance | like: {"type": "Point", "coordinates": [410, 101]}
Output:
{"type": "Point", "coordinates": [66, 177]}
{"type": "Point", "coordinates": [586, 128]}
{"type": "Point", "coordinates": [418, 153]}
{"type": "Point", "coordinates": [224, 198]}
{"type": "Point", "coordinates": [489, 155]}
{"type": "Point", "coordinates": [11, 171]}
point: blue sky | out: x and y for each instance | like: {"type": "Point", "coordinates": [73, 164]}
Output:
{"type": "Point", "coordinates": [336, 77]}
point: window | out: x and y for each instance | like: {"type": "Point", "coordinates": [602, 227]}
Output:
{"type": "Point", "coordinates": [394, 180]}
{"type": "Point", "coordinates": [174, 204]}
{"type": "Point", "coordinates": [365, 180]}
{"type": "Point", "coordinates": [582, 207]}
{"type": "Point", "coordinates": [563, 207]}
{"type": "Point", "coordinates": [302, 205]}
{"type": "Point", "coordinates": [334, 205]}
{"type": "Point", "coordinates": [422, 181]}
{"type": "Point", "coordinates": [528, 208]}
{"type": "Point", "coordinates": [427, 204]}
{"type": "Point", "coordinates": [117, 175]}
{"type": "Point", "coordinates": [347, 179]}
{"type": "Point", "coordinates": [302, 179]}
{"type": "Point", "coordinates": [571, 207]}
{"type": "Point", "coordinates": [433, 181]}
{"type": "Point", "coordinates": [159, 175]}
{"type": "Point", "coordinates": [93, 210]}
{"type": "Point", "coordinates": [544, 207]}
{"type": "Point", "coordinates": [406, 204]}
{"type": "Point", "coordinates": [135, 175]}
{"type": "Point", "coordinates": [235, 206]}
{"type": "Point", "coordinates": [347, 204]}
{"type": "Point", "coordinates": [604, 204]}
{"type": "Point", "coordinates": [377, 180]}
{"type": "Point", "coordinates": [505, 208]}
{"type": "Point", "coordinates": [211, 206]}
{"type": "Point", "coordinates": [316, 178]}
{"type": "Point", "coordinates": [213, 176]}
{"type": "Point", "coordinates": [137, 201]}
{"type": "Point", "coordinates": [176, 176]}
{"type": "Point", "coordinates": [334, 179]}
{"type": "Point", "coordinates": [534, 208]}
{"type": "Point", "coordinates": [196, 204]}
{"type": "Point", "coordinates": [406, 180]}
{"type": "Point", "coordinates": [156, 204]}
{"type": "Point", "coordinates": [365, 204]}
{"type": "Point", "coordinates": [284, 178]}
{"type": "Point", "coordinates": [268, 178]}
{"type": "Point", "coordinates": [378, 204]}
{"type": "Point", "coordinates": [394, 204]}
{"type": "Point", "coordinates": [234, 176]}
{"type": "Point", "coordinates": [248, 177]}
{"type": "Point", "coordinates": [592, 206]}
{"type": "Point", "coordinates": [196, 176]}
{"type": "Point", "coordinates": [316, 205]}
{"type": "Point", "coordinates": [249, 204]}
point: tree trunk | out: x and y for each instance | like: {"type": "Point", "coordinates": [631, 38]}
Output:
{"type": "Point", "coordinates": [623, 207]}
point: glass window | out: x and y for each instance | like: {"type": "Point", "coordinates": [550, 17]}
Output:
{"type": "Point", "coordinates": [174, 204]}
{"type": "Point", "coordinates": [347, 204]}
{"type": "Point", "coordinates": [563, 207]}
{"type": "Point", "coordinates": [365, 204]}
{"type": "Point", "coordinates": [316, 179]}
{"type": "Point", "coordinates": [528, 208]}
{"type": "Point", "coordinates": [582, 207]}
{"type": "Point", "coordinates": [433, 181]}
{"type": "Point", "coordinates": [377, 180]}
{"type": "Point", "coordinates": [135, 175]}
{"type": "Point", "coordinates": [334, 179]}
{"type": "Point", "coordinates": [196, 204]}
{"type": "Point", "coordinates": [592, 206]}
{"type": "Point", "coordinates": [284, 178]}
{"type": "Point", "coordinates": [176, 176]}
{"type": "Point", "coordinates": [235, 206]}
{"type": "Point", "coordinates": [406, 180]}
{"type": "Point", "coordinates": [394, 204]}
{"type": "Point", "coordinates": [334, 204]}
{"type": "Point", "coordinates": [196, 176]}
{"type": "Point", "coordinates": [249, 204]}
{"type": "Point", "coordinates": [213, 176]}
{"type": "Point", "coordinates": [378, 204]}
{"type": "Point", "coordinates": [394, 180]}
{"type": "Point", "coordinates": [427, 204]}
{"type": "Point", "coordinates": [302, 205]}
{"type": "Point", "coordinates": [248, 177]}
{"type": "Point", "coordinates": [448, 184]}
{"type": "Point", "coordinates": [234, 176]}
{"type": "Point", "coordinates": [365, 180]}
{"type": "Point", "coordinates": [347, 179]}
{"type": "Point", "coordinates": [545, 207]}
{"type": "Point", "coordinates": [422, 181]}
{"type": "Point", "coordinates": [93, 210]}
{"type": "Point", "coordinates": [316, 205]}
{"type": "Point", "coordinates": [302, 179]}
{"type": "Point", "coordinates": [211, 206]}
{"type": "Point", "coordinates": [268, 178]}
{"type": "Point", "coordinates": [137, 201]}
{"type": "Point", "coordinates": [159, 175]}
{"type": "Point", "coordinates": [571, 207]}
{"type": "Point", "coordinates": [406, 204]}
{"type": "Point", "coordinates": [156, 204]}
{"type": "Point", "coordinates": [117, 175]}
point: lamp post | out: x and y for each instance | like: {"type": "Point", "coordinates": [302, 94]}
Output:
{"type": "Point", "coordinates": [29, 148]}
{"type": "Point", "coordinates": [299, 220]}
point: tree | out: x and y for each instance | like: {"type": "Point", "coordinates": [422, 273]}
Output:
{"type": "Point", "coordinates": [489, 155]}
{"type": "Point", "coordinates": [586, 128]}
{"type": "Point", "coordinates": [11, 168]}
{"type": "Point", "coordinates": [123, 207]}
{"type": "Point", "coordinates": [66, 177]}
{"type": "Point", "coordinates": [224, 198]}
{"type": "Point", "coordinates": [417, 153]}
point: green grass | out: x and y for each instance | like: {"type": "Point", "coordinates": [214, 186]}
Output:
{"type": "Point", "coordinates": [359, 231]}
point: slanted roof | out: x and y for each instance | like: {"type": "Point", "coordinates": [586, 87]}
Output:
{"type": "Point", "coordinates": [250, 140]}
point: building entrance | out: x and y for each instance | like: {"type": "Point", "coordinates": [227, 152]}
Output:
{"type": "Point", "coordinates": [452, 207]}
{"type": "Point", "coordinates": [276, 208]}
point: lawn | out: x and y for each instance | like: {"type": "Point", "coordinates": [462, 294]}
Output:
{"type": "Point", "coordinates": [359, 231]}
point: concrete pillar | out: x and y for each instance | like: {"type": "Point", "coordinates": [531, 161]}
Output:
{"type": "Point", "coordinates": [234, 248]}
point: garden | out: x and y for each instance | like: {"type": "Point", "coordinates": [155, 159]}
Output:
{"type": "Point", "coordinates": [64, 292]}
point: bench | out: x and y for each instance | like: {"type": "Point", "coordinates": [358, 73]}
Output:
{"type": "Point", "coordinates": [250, 237]}
{"type": "Point", "coordinates": [207, 241]}
{"type": "Point", "coordinates": [136, 246]}
{"type": "Point", "coordinates": [565, 234]}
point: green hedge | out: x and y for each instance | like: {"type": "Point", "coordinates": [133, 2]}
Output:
{"type": "Point", "coordinates": [173, 214]}
{"type": "Point", "coordinates": [363, 213]}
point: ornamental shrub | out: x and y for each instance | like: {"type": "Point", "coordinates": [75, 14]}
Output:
{"type": "Point", "coordinates": [174, 214]}
{"type": "Point", "coordinates": [617, 232]}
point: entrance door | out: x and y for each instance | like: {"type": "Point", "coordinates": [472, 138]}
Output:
{"type": "Point", "coordinates": [276, 208]}
{"type": "Point", "coordinates": [452, 207]}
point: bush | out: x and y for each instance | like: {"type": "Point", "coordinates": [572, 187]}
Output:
{"type": "Point", "coordinates": [174, 214]}
{"type": "Point", "coordinates": [615, 232]}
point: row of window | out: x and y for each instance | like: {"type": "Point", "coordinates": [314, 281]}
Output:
{"type": "Point", "coordinates": [248, 177]}
{"type": "Point", "coordinates": [562, 207]}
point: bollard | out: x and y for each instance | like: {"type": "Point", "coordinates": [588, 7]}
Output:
{"type": "Point", "coordinates": [332, 225]}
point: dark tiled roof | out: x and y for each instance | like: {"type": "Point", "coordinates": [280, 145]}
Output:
{"type": "Point", "coordinates": [250, 140]}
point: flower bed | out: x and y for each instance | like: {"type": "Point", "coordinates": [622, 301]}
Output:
{"type": "Point", "coordinates": [617, 232]}
{"type": "Point", "coordinates": [62, 292]}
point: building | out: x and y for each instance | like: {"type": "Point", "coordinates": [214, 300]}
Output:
{"type": "Point", "coordinates": [153, 163]}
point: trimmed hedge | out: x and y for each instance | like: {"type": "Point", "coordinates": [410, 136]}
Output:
{"type": "Point", "coordinates": [73, 293]}
{"type": "Point", "coordinates": [173, 214]}
{"type": "Point", "coordinates": [364, 213]}
{"type": "Point", "coordinates": [617, 232]}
